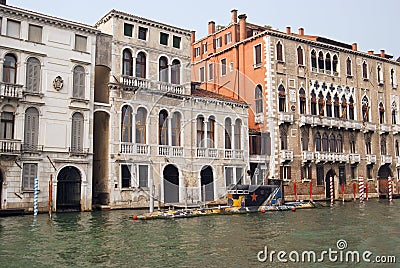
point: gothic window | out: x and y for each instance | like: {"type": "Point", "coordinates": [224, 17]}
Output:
{"type": "Point", "coordinates": [302, 99]}
{"type": "Point", "coordinates": [282, 98]}
{"type": "Point", "coordinates": [351, 108]}
{"type": "Point", "coordinates": [396, 147]}
{"type": "Point", "coordinates": [348, 67]}
{"type": "Point", "coordinates": [279, 51]}
{"type": "Point", "coordinates": [127, 63]}
{"type": "Point", "coordinates": [284, 129]}
{"type": "Point", "coordinates": [321, 104]}
{"type": "Point", "coordinates": [332, 143]}
{"type": "Point", "coordinates": [335, 65]}
{"type": "Point", "coordinates": [336, 106]}
{"type": "Point", "coordinates": [321, 66]}
{"type": "Point", "coordinates": [381, 113]}
{"type": "Point", "coordinates": [300, 56]}
{"type": "Point", "coordinates": [317, 139]}
{"type": "Point", "coordinates": [163, 127]}
{"type": "Point", "coordinates": [368, 145]}
{"type": "Point", "coordinates": [394, 112]}
{"type": "Point", "coordinates": [313, 103]}
{"type": "Point", "coordinates": [352, 143]}
{"type": "Point", "coordinates": [325, 142]}
{"type": "Point", "coordinates": [328, 105]}
{"type": "Point", "coordinates": [313, 60]}
{"type": "Point", "coordinates": [383, 145]}
{"type": "Point", "coordinates": [328, 64]}
{"type": "Point", "coordinates": [365, 70]}
{"type": "Point", "coordinates": [126, 124]}
{"type": "Point", "coordinates": [304, 138]}
{"type": "Point", "coordinates": [393, 78]}
{"type": "Point", "coordinates": [379, 73]}
{"type": "Point", "coordinates": [258, 99]}
{"type": "Point", "coordinates": [339, 144]}
{"type": "Point", "coordinates": [141, 117]}
{"type": "Point", "coordinates": [344, 107]}
{"type": "Point", "coordinates": [365, 109]}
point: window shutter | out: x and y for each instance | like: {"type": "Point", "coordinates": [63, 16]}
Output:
{"type": "Point", "coordinates": [25, 177]}
{"type": "Point", "coordinates": [281, 172]}
{"type": "Point", "coordinates": [36, 77]}
{"type": "Point", "coordinates": [289, 172]}
{"type": "Point", "coordinates": [82, 85]}
{"type": "Point", "coordinates": [75, 93]}
{"type": "Point", "coordinates": [29, 77]}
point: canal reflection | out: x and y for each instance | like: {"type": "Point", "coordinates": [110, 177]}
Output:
{"type": "Point", "coordinates": [112, 239]}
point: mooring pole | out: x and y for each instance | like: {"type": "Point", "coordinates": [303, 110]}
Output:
{"type": "Point", "coordinates": [35, 196]}
{"type": "Point", "coordinates": [50, 195]}
{"type": "Point", "coordinates": [152, 197]}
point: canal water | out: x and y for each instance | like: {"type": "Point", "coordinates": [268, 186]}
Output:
{"type": "Point", "coordinates": [112, 239]}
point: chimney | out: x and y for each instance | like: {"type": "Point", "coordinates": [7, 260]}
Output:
{"type": "Point", "coordinates": [242, 26]}
{"type": "Point", "coordinates": [211, 27]}
{"type": "Point", "coordinates": [354, 46]}
{"type": "Point", "coordinates": [193, 37]}
{"type": "Point", "coordinates": [301, 31]}
{"type": "Point", "coordinates": [370, 52]}
{"type": "Point", "coordinates": [288, 31]}
{"type": "Point", "coordinates": [234, 15]}
{"type": "Point", "coordinates": [3, 2]}
{"type": "Point", "coordinates": [383, 53]}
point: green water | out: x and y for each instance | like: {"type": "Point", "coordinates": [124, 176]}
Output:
{"type": "Point", "coordinates": [112, 239]}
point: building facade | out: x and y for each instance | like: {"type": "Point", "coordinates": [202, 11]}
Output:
{"type": "Point", "coordinates": [161, 135]}
{"type": "Point", "coordinates": [324, 108]}
{"type": "Point", "coordinates": [46, 105]}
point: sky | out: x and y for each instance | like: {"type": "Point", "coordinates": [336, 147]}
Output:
{"type": "Point", "coordinates": [369, 23]}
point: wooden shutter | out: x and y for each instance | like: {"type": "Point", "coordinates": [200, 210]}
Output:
{"type": "Point", "coordinates": [289, 172]}
{"type": "Point", "coordinates": [33, 75]}
{"type": "Point", "coordinates": [31, 128]}
{"type": "Point", "coordinates": [281, 172]}
{"type": "Point", "coordinates": [77, 132]}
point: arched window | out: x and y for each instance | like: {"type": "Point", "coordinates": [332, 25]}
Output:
{"type": "Point", "coordinates": [282, 98]}
{"type": "Point", "coordinates": [348, 67]}
{"type": "Point", "coordinates": [381, 113]}
{"type": "Point", "coordinates": [228, 133]}
{"type": "Point", "coordinates": [126, 123]}
{"type": "Point", "coordinates": [328, 64]}
{"type": "Point", "coordinates": [176, 72]}
{"type": "Point", "coordinates": [140, 118]}
{"type": "Point", "coordinates": [321, 66]}
{"type": "Point", "coordinates": [10, 69]}
{"type": "Point", "coordinates": [352, 143]}
{"type": "Point", "coordinates": [383, 145]}
{"type": "Point", "coordinates": [200, 131]}
{"type": "Point", "coordinates": [31, 129]}
{"type": "Point", "coordinates": [163, 127]}
{"type": "Point", "coordinates": [313, 103]}
{"type": "Point", "coordinates": [258, 99]}
{"type": "Point", "coordinates": [393, 81]}
{"type": "Point", "coordinates": [302, 99]}
{"type": "Point", "coordinates": [127, 63]}
{"type": "Point", "coordinates": [141, 65]}
{"type": "Point", "coordinates": [79, 83]}
{"type": "Point", "coordinates": [365, 109]}
{"type": "Point", "coordinates": [317, 142]}
{"type": "Point", "coordinates": [394, 112]}
{"type": "Point", "coordinates": [336, 106]}
{"type": "Point", "coordinates": [77, 133]}
{"type": "Point", "coordinates": [344, 107]}
{"type": "Point", "coordinates": [396, 147]}
{"type": "Point", "coordinates": [335, 62]}
{"type": "Point", "coordinates": [163, 69]}
{"type": "Point", "coordinates": [314, 60]}
{"type": "Point", "coordinates": [238, 134]}
{"type": "Point", "coordinates": [324, 142]}
{"type": "Point", "coordinates": [279, 51]}
{"type": "Point", "coordinates": [364, 70]}
{"type": "Point", "coordinates": [176, 129]}
{"type": "Point", "coordinates": [379, 73]}
{"type": "Point", "coordinates": [321, 104]}
{"type": "Point", "coordinates": [304, 138]}
{"type": "Point", "coordinates": [33, 75]}
{"type": "Point", "coordinates": [283, 130]}
{"type": "Point", "coordinates": [300, 56]}
{"type": "Point", "coordinates": [351, 108]}
{"type": "Point", "coordinates": [211, 132]}
{"type": "Point", "coordinates": [339, 144]}
{"type": "Point", "coordinates": [332, 143]}
{"type": "Point", "coordinates": [328, 105]}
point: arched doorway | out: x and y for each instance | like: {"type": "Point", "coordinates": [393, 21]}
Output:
{"type": "Point", "coordinates": [69, 189]}
{"type": "Point", "coordinates": [329, 174]}
{"type": "Point", "coordinates": [383, 174]}
{"type": "Point", "coordinates": [171, 184]}
{"type": "Point", "coordinates": [207, 183]}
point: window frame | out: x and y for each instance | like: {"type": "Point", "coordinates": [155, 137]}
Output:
{"type": "Point", "coordinates": [142, 29]}
{"type": "Point", "coordinates": [223, 63]}
{"type": "Point", "coordinates": [257, 54]}
{"type": "Point", "coordinates": [174, 39]}
{"type": "Point", "coordinates": [8, 26]}
{"type": "Point", "coordinates": [162, 37]}
{"type": "Point", "coordinates": [130, 28]}
{"type": "Point", "coordinates": [80, 38]}
{"type": "Point", "coordinates": [28, 186]}
{"type": "Point", "coordinates": [33, 26]}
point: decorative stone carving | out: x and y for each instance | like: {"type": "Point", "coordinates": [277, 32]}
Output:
{"type": "Point", "coordinates": [58, 83]}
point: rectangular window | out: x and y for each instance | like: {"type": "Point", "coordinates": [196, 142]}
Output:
{"type": "Point", "coordinates": [211, 71]}
{"type": "Point", "coordinates": [342, 174]}
{"type": "Point", "coordinates": [204, 48]}
{"type": "Point", "coordinates": [29, 173]}
{"type": "Point", "coordinates": [143, 176]}
{"type": "Point", "coordinates": [285, 173]}
{"type": "Point", "coordinates": [13, 28]}
{"type": "Point", "coordinates": [257, 55]}
{"type": "Point", "coordinates": [218, 42]}
{"type": "Point", "coordinates": [369, 172]}
{"type": "Point", "coordinates": [80, 43]}
{"type": "Point", "coordinates": [142, 33]}
{"type": "Point", "coordinates": [320, 175]}
{"type": "Point", "coordinates": [164, 39]}
{"type": "Point", "coordinates": [231, 66]}
{"type": "Point", "coordinates": [223, 67]}
{"type": "Point", "coordinates": [239, 175]}
{"type": "Point", "coordinates": [202, 74]}
{"type": "Point", "coordinates": [35, 33]}
{"type": "Point", "coordinates": [228, 176]}
{"type": "Point", "coordinates": [126, 176]}
{"type": "Point", "coordinates": [197, 51]}
{"type": "Point", "coordinates": [128, 29]}
{"type": "Point", "coordinates": [228, 38]}
{"type": "Point", "coordinates": [306, 172]}
{"type": "Point", "coordinates": [7, 126]}
{"type": "Point", "coordinates": [176, 42]}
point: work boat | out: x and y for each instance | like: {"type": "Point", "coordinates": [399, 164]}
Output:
{"type": "Point", "coordinates": [240, 199]}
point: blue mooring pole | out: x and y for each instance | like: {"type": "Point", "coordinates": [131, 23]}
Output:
{"type": "Point", "coordinates": [35, 196]}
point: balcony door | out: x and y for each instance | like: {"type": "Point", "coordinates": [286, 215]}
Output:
{"type": "Point", "coordinates": [31, 129]}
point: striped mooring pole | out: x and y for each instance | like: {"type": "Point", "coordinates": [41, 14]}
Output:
{"type": "Point", "coordinates": [331, 189]}
{"type": "Point", "coordinates": [35, 196]}
{"type": "Point", "coordinates": [390, 186]}
{"type": "Point", "coordinates": [361, 188]}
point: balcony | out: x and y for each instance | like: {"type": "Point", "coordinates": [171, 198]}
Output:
{"type": "Point", "coordinates": [386, 159]}
{"type": "Point", "coordinates": [397, 161]}
{"type": "Point", "coordinates": [11, 91]}
{"type": "Point", "coordinates": [78, 151]}
{"type": "Point", "coordinates": [369, 127]}
{"type": "Point", "coordinates": [384, 128]}
{"type": "Point", "coordinates": [370, 159]}
{"type": "Point", "coordinates": [207, 153]}
{"type": "Point", "coordinates": [172, 151]}
{"type": "Point", "coordinates": [306, 119]}
{"type": "Point", "coordinates": [341, 157]}
{"type": "Point", "coordinates": [10, 147]}
{"type": "Point", "coordinates": [286, 156]}
{"type": "Point", "coordinates": [233, 154]}
{"type": "Point", "coordinates": [131, 83]}
{"type": "Point", "coordinates": [323, 157]}
{"type": "Point", "coordinates": [31, 148]}
{"type": "Point", "coordinates": [357, 125]}
{"type": "Point", "coordinates": [355, 158]}
{"type": "Point", "coordinates": [396, 128]}
{"type": "Point", "coordinates": [307, 156]}
{"type": "Point", "coordinates": [134, 148]}
{"type": "Point", "coordinates": [285, 118]}
{"type": "Point", "coordinates": [168, 87]}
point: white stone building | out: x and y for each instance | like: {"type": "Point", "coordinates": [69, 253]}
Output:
{"type": "Point", "coordinates": [158, 131]}
{"type": "Point", "coordinates": [46, 128]}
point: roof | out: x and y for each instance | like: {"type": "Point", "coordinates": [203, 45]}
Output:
{"type": "Point", "coordinates": [197, 92]}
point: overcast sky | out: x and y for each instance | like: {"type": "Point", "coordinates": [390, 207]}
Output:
{"type": "Point", "coordinates": [370, 23]}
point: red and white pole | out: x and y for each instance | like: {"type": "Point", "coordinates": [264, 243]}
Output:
{"type": "Point", "coordinates": [390, 189]}
{"type": "Point", "coordinates": [310, 190]}
{"type": "Point", "coordinates": [366, 190]}
{"type": "Point", "coordinates": [361, 188]}
{"type": "Point", "coordinates": [331, 189]}
{"type": "Point", "coordinates": [354, 190]}
{"type": "Point", "coordinates": [295, 191]}
{"type": "Point", "coordinates": [343, 192]}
